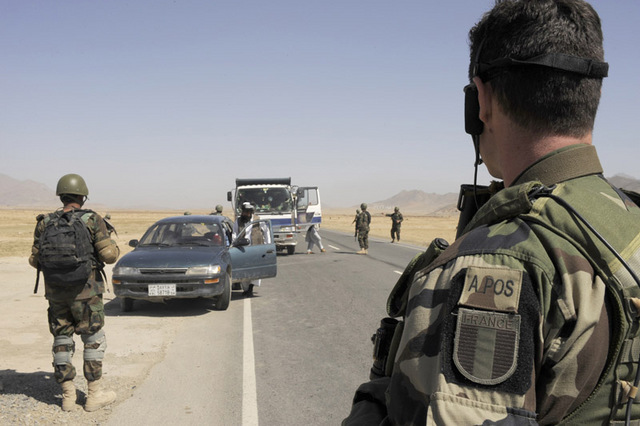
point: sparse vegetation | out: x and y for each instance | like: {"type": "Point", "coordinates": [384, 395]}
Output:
{"type": "Point", "coordinates": [16, 227]}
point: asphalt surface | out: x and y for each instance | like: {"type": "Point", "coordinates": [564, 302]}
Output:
{"type": "Point", "coordinates": [293, 354]}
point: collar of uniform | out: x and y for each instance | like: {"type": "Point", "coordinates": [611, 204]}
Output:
{"type": "Point", "coordinates": [563, 164]}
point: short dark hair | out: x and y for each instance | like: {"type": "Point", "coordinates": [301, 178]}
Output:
{"type": "Point", "coordinates": [539, 99]}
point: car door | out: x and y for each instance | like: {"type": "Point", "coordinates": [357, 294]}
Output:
{"type": "Point", "coordinates": [258, 258]}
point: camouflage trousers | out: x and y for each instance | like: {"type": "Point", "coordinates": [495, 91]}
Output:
{"type": "Point", "coordinates": [363, 239]}
{"type": "Point", "coordinates": [83, 317]}
{"type": "Point", "coordinates": [395, 233]}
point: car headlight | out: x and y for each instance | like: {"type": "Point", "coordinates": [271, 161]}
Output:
{"type": "Point", "coordinates": [125, 270]}
{"type": "Point", "coordinates": [286, 229]}
{"type": "Point", "coordinates": [204, 270]}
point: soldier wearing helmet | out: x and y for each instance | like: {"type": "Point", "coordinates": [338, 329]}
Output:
{"type": "Point", "coordinates": [362, 228]}
{"type": "Point", "coordinates": [218, 211]}
{"type": "Point", "coordinates": [396, 222]}
{"type": "Point", "coordinates": [76, 307]}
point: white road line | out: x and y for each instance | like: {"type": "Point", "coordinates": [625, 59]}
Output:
{"type": "Point", "coordinates": [249, 392]}
{"type": "Point", "coordinates": [334, 247]}
{"type": "Point", "coordinates": [398, 272]}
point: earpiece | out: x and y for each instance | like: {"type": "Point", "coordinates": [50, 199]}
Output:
{"type": "Point", "coordinates": [472, 123]}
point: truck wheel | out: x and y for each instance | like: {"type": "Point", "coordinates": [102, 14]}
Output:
{"type": "Point", "coordinates": [291, 249]}
{"type": "Point", "coordinates": [222, 301]}
{"type": "Point", "coordinates": [126, 304]}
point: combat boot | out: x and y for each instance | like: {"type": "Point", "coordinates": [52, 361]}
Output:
{"type": "Point", "coordinates": [362, 251]}
{"type": "Point", "coordinates": [68, 395]}
{"type": "Point", "coordinates": [366, 251]}
{"type": "Point", "coordinates": [97, 397]}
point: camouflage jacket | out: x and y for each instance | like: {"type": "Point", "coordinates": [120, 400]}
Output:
{"type": "Point", "coordinates": [396, 219]}
{"type": "Point", "coordinates": [514, 323]}
{"type": "Point", "coordinates": [100, 239]}
{"type": "Point", "coordinates": [363, 221]}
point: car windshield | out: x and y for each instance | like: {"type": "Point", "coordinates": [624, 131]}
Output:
{"type": "Point", "coordinates": [183, 234]}
{"type": "Point", "coordinates": [266, 199]}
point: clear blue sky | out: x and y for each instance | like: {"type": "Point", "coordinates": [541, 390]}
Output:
{"type": "Point", "coordinates": [165, 103]}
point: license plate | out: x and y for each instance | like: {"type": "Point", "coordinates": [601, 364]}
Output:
{"type": "Point", "coordinates": [162, 289]}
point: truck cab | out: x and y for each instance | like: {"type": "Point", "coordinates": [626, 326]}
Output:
{"type": "Point", "coordinates": [291, 209]}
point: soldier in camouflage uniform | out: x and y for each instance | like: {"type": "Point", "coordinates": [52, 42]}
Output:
{"type": "Point", "coordinates": [362, 229]}
{"type": "Point", "coordinates": [396, 223]}
{"type": "Point", "coordinates": [79, 309]}
{"type": "Point", "coordinates": [528, 317]}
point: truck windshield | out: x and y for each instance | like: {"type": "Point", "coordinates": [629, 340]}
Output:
{"type": "Point", "coordinates": [266, 199]}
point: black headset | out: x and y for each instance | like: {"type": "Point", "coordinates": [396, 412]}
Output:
{"type": "Point", "coordinates": [560, 61]}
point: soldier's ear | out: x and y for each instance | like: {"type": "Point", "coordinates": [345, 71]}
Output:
{"type": "Point", "coordinates": [485, 98]}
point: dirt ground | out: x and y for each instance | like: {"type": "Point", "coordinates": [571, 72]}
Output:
{"type": "Point", "coordinates": [28, 392]}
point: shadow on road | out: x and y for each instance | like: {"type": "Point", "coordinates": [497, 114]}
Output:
{"type": "Point", "coordinates": [167, 308]}
{"type": "Point", "coordinates": [40, 386]}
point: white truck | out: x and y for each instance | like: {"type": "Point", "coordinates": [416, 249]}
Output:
{"type": "Point", "coordinates": [291, 209]}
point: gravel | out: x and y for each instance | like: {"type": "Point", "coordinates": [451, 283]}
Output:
{"type": "Point", "coordinates": [35, 399]}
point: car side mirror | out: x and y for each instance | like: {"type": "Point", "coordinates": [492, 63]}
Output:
{"type": "Point", "coordinates": [133, 243]}
{"type": "Point", "coordinates": [239, 242]}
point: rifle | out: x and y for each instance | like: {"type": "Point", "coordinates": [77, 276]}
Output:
{"type": "Point", "coordinates": [470, 199]}
{"type": "Point", "coordinates": [35, 290]}
{"type": "Point", "coordinates": [110, 227]}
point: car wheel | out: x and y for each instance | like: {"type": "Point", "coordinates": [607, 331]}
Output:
{"type": "Point", "coordinates": [291, 249]}
{"type": "Point", "coordinates": [222, 301]}
{"type": "Point", "coordinates": [126, 304]}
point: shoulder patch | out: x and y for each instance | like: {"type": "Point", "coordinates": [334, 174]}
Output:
{"type": "Point", "coordinates": [486, 345]}
{"type": "Point", "coordinates": [494, 289]}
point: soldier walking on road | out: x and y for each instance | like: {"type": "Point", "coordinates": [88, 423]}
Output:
{"type": "Point", "coordinates": [362, 227]}
{"type": "Point", "coordinates": [396, 223]}
{"type": "Point", "coordinates": [70, 247]}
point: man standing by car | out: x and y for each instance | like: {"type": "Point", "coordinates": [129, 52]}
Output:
{"type": "Point", "coordinates": [74, 287]}
{"type": "Point", "coordinates": [530, 316]}
{"type": "Point", "coordinates": [256, 235]}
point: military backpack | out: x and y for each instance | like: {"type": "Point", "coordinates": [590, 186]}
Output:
{"type": "Point", "coordinates": [65, 249]}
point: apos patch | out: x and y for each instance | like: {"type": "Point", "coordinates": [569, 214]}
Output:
{"type": "Point", "coordinates": [487, 336]}
{"type": "Point", "coordinates": [494, 289]}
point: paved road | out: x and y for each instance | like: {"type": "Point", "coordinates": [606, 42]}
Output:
{"type": "Point", "coordinates": [292, 355]}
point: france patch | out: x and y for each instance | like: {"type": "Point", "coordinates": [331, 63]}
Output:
{"type": "Point", "coordinates": [486, 345]}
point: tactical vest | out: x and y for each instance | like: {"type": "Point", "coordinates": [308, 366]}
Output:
{"type": "Point", "coordinates": [531, 203]}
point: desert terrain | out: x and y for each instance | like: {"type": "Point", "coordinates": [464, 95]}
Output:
{"type": "Point", "coordinates": [28, 393]}
{"type": "Point", "coordinates": [16, 226]}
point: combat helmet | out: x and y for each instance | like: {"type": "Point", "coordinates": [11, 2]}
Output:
{"type": "Point", "coordinates": [363, 206]}
{"type": "Point", "coordinates": [219, 208]}
{"type": "Point", "coordinates": [396, 209]}
{"type": "Point", "coordinates": [72, 184]}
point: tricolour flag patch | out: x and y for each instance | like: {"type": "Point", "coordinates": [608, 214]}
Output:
{"type": "Point", "coordinates": [486, 345]}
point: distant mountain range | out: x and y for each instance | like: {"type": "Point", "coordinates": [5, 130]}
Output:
{"type": "Point", "coordinates": [25, 193]}
{"type": "Point", "coordinates": [28, 193]}
{"type": "Point", "coordinates": [417, 202]}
